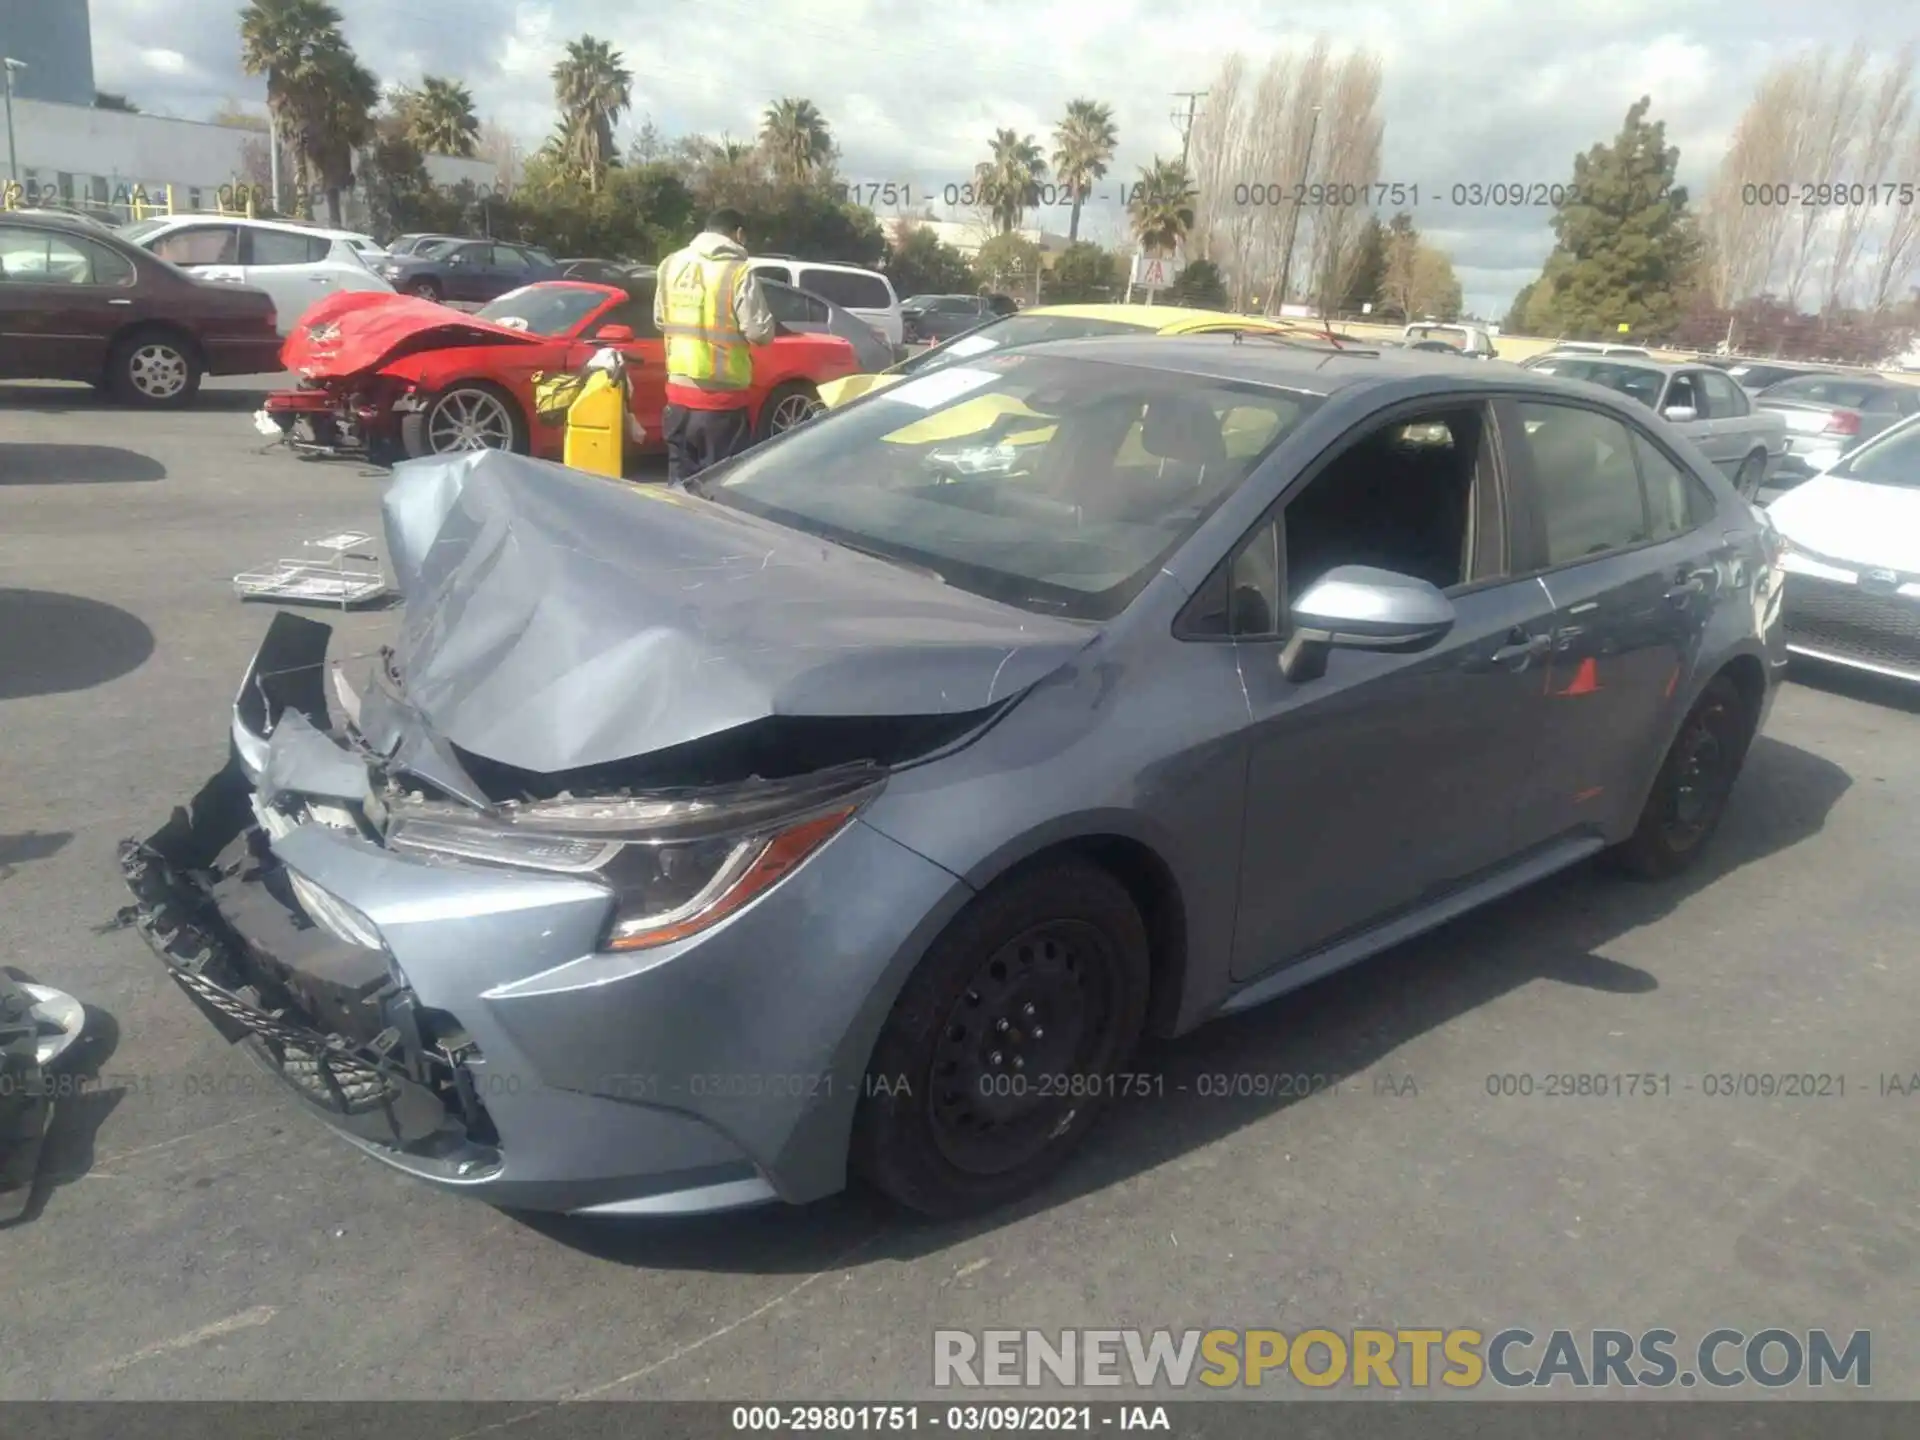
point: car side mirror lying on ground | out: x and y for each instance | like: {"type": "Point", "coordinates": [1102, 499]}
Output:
{"type": "Point", "coordinates": [1358, 607]}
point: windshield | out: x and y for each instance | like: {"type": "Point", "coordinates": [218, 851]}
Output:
{"type": "Point", "coordinates": [1828, 390]}
{"type": "Point", "coordinates": [1013, 330]}
{"type": "Point", "coordinates": [138, 230]}
{"type": "Point", "coordinates": [1889, 459]}
{"type": "Point", "coordinates": [543, 309]}
{"type": "Point", "coordinates": [1052, 484]}
{"type": "Point", "coordinates": [1642, 385]}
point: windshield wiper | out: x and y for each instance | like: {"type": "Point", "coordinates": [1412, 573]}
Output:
{"type": "Point", "coordinates": [925, 571]}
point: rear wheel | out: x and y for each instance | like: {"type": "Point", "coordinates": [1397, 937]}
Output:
{"type": "Point", "coordinates": [1004, 1044]}
{"type": "Point", "coordinates": [1691, 792]}
{"type": "Point", "coordinates": [789, 406]}
{"type": "Point", "coordinates": [425, 289]}
{"type": "Point", "coordinates": [1747, 478]}
{"type": "Point", "coordinates": [154, 367]}
{"type": "Point", "coordinates": [472, 415]}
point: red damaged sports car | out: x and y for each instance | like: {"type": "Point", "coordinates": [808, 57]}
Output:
{"type": "Point", "coordinates": [391, 375]}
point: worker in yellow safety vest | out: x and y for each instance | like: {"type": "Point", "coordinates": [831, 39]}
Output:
{"type": "Point", "coordinates": [712, 312]}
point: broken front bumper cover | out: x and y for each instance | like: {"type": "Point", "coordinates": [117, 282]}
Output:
{"type": "Point", "coordinates": [476, 1037]}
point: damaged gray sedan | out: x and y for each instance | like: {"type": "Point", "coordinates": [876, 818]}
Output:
{"type": "Point", "coordinates": [858, 808]}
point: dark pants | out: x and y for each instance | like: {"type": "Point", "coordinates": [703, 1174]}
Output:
{"type": "Point", "coordinates": [699, 438]}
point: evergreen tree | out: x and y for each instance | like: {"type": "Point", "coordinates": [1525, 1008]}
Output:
{"type": "Point", "coordinates": [1369, 268]}
{"type": "Point", "coordinates": [1628, 249]}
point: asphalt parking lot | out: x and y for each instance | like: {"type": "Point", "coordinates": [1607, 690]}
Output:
{"type": "Point", "coordinates": [195, 1237]}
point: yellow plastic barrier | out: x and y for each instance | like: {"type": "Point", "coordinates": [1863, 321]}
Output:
{"type": "Point", "coordinates": [597, 427]}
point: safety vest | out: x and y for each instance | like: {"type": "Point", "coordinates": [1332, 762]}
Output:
{"type": "Point", "coordinates": [704, 343]}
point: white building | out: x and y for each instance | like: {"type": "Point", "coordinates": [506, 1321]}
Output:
{"type": "Point", "coordinates": [968, 236]}
{"type": "Point", "coordinates": [82, 156]}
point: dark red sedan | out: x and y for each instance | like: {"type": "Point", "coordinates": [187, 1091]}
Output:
{"type": "Point", "coordinates": [79, 303]}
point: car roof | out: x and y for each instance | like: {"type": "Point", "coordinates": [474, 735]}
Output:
{"type": "Point", "coordinates": [1158, 318]}
{"type": "Point", "coordinates": [1633, 362]}
{"type": "Point", "coordinates": [1302, 365]}
{"type": "Point", "coordinates": [284, 227]}
{"type": "Point", "coordinates": [788, 260]}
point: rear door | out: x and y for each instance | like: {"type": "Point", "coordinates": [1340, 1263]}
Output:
{"type": "Point", "coordinates": [1619, 530]}
{"type": "Point", "coordinates": [290, 267]}
{"type": "Point", "coordinates": [867, 295]}
{"type": "Point", "coordinates": [61, 300]}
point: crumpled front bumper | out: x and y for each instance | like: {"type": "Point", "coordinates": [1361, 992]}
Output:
{"type": "Point", "coordinates": [484, 1044]}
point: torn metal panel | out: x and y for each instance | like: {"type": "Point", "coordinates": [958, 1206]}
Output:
{"type": "Point", "coordinates": [303, 761]}
{"type": "Point", "coordinates": [556, 621]}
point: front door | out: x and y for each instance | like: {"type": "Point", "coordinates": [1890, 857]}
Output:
{"type": "Point", "coordinates": [1386, 781]}
{"type": "Point", "coordinates": [1620, 528]}
{"type": "Point", "coordinates": [61, 300]}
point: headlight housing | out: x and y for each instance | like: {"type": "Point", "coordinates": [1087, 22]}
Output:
{"type": "Point", "coordinates": [675, 864]}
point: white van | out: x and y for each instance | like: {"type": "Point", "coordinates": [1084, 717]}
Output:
{"type": "Point", "coordinates": [867, 293]}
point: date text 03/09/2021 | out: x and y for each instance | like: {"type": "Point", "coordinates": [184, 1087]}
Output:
{"type": "Point", "coordinates": [1245, 194]}
{"type": "Point", "coordinates": [989, 1419]}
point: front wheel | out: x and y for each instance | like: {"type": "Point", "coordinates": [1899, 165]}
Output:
{"type": "Point", "coordinates": [1691, 792]}
{"type": "Point", "coordinates": [425, 290]}
{"type": "Point", "coordinates": [154, 368]}
{"type": "Point", "coordinates": [469, 416]}
{"type": "Point", "coordinates": [788, 407]}
{"type": "Point", "coordinates": [1005, 1042]}
{"type": "Point", "coordinates": [1747, 478]}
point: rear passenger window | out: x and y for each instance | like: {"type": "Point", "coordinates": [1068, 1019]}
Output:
{"type": "Point", "coordinates": [848, 288]}
{"type": "Point", "coordinates": [281, 247]}
{"type": "Point", "coordinates": [1676, 500]}
{"type": "Point", "coordinates": [1588, 484]}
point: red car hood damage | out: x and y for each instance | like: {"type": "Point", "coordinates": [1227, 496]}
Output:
{"type": "Point", "coordinates": [357, 331]}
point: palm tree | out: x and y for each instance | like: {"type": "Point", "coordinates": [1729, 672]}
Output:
{"type": "Point", "coordinates": [440, 118]}
{"type": "Point", "coordinates": [288, 41]}
{"type": "Point", "coordinates": [339, 121]}
{"type": "Point", "coordinates": [1162, 206]}
{"type": "Point", "coordinates": [1008, 184]}
{"type": "Point", "coordinates": [593, 88]}
{"type": "Point", "coordinates": [797, 138]}
{"type": "Point", "coordinates": [1084, 142]}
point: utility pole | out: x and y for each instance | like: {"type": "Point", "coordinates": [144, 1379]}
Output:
{"type": "Point", "coordinates": [1293, 223]}
{"type": "Point", "coordinates": [1184, 119]}
{"type": "Point", "coordinates": [9, 64]}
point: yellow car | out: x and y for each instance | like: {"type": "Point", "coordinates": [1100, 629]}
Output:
{"type": "Point", "coordinates": [1051, 322]}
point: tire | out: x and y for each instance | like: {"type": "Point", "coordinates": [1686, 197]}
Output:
{"type": "Point", "coordinates": [425, 290]}
{"type": "Point", "coordinates": [792, 396]}
{"type": "Point", "coordinates": [458, 408]}
{"type": "Point", "coordinates": [1060, 940]}
{"type": "Point", "coordinates": [1747, 478]}
{"type": "Point", "coordinates": [1684, 808]}
{"type": "Point", "coordinates": [155, 368]}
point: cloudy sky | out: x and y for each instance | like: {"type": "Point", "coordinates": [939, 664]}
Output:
{"type": "Point", "coordinates": [1476, 90]}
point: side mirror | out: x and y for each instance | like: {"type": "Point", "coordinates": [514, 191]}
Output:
{"type": "Point", "coordinates": [456, 260]}
{"type": "Point", "coordinates": [1357, 607]}
{"type": "Point", "coordinates": [1680, 414]}
{"type": "Point", "coordinates": [615, 334]}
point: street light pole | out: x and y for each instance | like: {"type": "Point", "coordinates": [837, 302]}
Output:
{"type": "Point", "coordinates": [1293, 223]}
{"type": "Point", "coordinates": [9, 64]}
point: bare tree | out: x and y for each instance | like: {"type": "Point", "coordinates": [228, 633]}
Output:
{"type": "Point", "coordinates": [1894, 265]}
{"type": "Point", "coordinates": [1419, 279]}
{"type": "Point", "coordinates": [1346, 164]}
{"type": "Point", "coordinates": [1743, 232]}
{"type": "Point", "coordinates": [1215, 162]}
{"type": "Point", "coordinates": [1882, 123]}
{"type": "Point", "coordinates": [1298, 138]}
{"type": "Point", "coordinates": [496, 144]}
{"type": "Point", "coordinates": [1832, 99]}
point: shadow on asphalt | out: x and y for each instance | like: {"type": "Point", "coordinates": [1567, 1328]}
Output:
{"type": "Point", "coordinates": [81, 399]}
{"type": "Point", "coordinates": [80, 1108]}
{"type": "Point", "coordinates": [34, 463]}
{"type": "Point", "coordinates": [1862, 685]}
{"type": "Point", "coordinates": [18, 850]}
{"type": "Point", "coordinates": [1349, 1023]}
{"type": "Point", "coordinates": [52, 644]}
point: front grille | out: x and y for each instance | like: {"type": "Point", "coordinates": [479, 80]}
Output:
{"type": "Point", "coordinates": [1839, 620]}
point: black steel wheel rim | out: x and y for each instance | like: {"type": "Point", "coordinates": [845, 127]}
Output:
{"type": "Point", "coordinates": [1702, 776]}
{"type": "Point", "coordinates": [1024, 1047]}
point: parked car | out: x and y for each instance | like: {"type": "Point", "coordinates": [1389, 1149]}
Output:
{"type": "Point", "coordinates": [415, 244]}
{"type": "Point", "coordinates": [798, 313]}
{"type": "Point", "coordinates": [393, 373]}
{"type": "Point", "coordinates": [1829, 415]}
{"type": "Point", "coordinates": [1756, 375]}
{"type": "Point", "coordinates": [929, 319]}
{"type": "Point", "coordinates": [470, 271]}
{"type": "Point", "coordinates": [867, 293]}
{"type": "Point", "coordinates": [1050, 322]}
{"type": "Point", "coordinates": [1470, 340]}
{"type": "Point", "coordinates": [1852, 558]}
{"type": "Point", "coordinates": [1598, 347]}
{"type": "Point", "coordinates": [686, 850]}
{"type": "Point", "coordinates": [1699, 401]}
{"type": "Point", "coordinates": [296, 264]}
{"type": "Point", "coordinates": [80, 303]}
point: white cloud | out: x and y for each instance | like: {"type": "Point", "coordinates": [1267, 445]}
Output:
{"type": "Point", "coordinates": [1475, 89]}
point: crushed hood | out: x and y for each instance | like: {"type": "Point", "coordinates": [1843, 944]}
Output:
{"type": "Point", "coordinates": [556, 620]}
{"type": "Point", "coordinates": [360, 330]}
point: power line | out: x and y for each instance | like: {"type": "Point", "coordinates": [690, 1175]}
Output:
{"type": "Point", "coordinates": [1185, 120]}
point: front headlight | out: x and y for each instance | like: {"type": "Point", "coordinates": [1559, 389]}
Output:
{"type": "Point", "coordinates": [674, 865]}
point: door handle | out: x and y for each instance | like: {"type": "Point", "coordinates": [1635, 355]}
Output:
{"type": "Point", "coordinates": [1689, 584]}
{"type": "Point", "coordinates": [1518, 652]}
{"type": "Point", "coordinates": [119, 302]}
